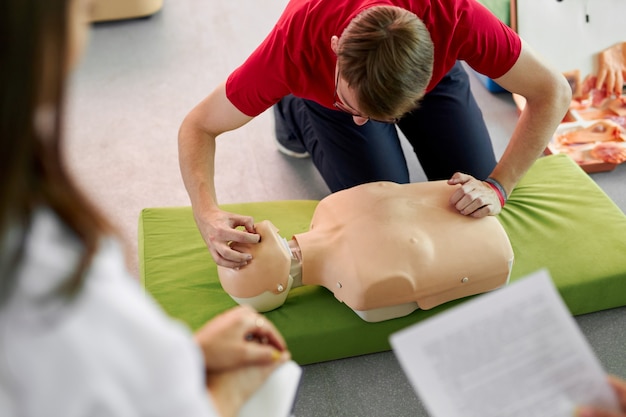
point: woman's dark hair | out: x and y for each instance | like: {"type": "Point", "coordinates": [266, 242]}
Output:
{"type": "Point", "coordinates": [33, 67]}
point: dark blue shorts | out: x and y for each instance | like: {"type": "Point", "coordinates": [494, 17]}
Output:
{"type": "Point", "coordinates": [447, 132]}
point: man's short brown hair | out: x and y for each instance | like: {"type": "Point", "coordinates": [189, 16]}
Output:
{"type": "Point", "coordinates": [386, 56]}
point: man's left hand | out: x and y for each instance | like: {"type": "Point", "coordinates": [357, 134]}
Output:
{"type": "Point", "coordinates": [474, 197]}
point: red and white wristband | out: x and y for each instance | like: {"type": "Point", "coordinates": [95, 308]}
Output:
{"type": "Point", "coordinates": [498, 188]}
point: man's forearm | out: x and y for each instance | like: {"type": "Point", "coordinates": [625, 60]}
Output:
{"type": "Point", "coordinates": [196, 156]}
{"type": "Point", "coordinates": [214, 115]}
{"type": "Point", "coordinates": [533, 132]}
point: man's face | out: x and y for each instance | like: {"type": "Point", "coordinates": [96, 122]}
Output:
{"type": "Point", "coordinates": [346, 101]}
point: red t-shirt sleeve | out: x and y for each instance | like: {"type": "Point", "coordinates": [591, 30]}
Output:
{"type": "Point", "coordinates": [259, 82]}
{"type": "Point", "coordinates": [295, 58]}
{"type": "Point", "coordinates": [492, 47]}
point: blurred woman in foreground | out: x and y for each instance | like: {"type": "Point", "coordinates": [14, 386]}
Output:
{"type": "Point", "coordinates": [77, 335]}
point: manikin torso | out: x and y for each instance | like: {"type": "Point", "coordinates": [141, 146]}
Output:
{"type": "Point", "coordinates": [384, 250]}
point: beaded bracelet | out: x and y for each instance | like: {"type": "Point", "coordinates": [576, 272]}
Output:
{"type": "Point", "coordinates": [498, 188]}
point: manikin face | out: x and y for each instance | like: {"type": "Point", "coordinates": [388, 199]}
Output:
{"type": "Point", "coordinates": [264, 282]}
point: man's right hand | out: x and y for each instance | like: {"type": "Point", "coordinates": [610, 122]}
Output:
{"type": "Point", "coordinates": [196, 152]}
{"type": "Point", "coordinates": [219, 229]}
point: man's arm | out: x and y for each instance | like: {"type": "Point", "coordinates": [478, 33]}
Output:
{"type": "Point", "coordinates": [548, 96]}
{"type": "Point", "coordinates": [196, 152]}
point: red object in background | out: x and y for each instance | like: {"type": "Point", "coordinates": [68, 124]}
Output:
{"type": "Point", "coordinates": [599, 152]}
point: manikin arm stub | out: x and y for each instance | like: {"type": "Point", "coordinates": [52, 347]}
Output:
{"type": "Point", "coordinates": [266, 280]}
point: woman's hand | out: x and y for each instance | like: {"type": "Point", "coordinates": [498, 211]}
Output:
{"type": "Point", "coordinates": [230, 389]}
{"type": "Point", "coordinates": [237, 338]}
{"type": "Point", "coordinates": [619, 387]}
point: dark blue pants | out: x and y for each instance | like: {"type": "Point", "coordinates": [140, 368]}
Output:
{"type": "Point", "coordinates": [447, 132]}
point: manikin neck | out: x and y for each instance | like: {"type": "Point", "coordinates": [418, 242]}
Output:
{"type": "Point", "coordinates": [296, 264]}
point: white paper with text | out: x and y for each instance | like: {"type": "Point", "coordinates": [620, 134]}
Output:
{"type": "Point", "coordinates": [512, 352]}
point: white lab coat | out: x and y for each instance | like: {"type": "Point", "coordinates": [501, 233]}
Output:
{"type": "Point", "coordinates": [109, 351]}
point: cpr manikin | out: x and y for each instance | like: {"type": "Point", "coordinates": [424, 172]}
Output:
{"type": "Point", "coordinates": [382, 248]}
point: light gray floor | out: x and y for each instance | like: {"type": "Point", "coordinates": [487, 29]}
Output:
{"type": "Point", "coordinates": [137, 81]}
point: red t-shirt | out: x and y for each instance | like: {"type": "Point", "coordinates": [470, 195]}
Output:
{"type": "Point", "coordinates": [296, 56]}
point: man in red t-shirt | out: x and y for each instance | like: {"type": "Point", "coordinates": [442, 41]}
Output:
{"type": "Point", "coordinates": [342, 74]}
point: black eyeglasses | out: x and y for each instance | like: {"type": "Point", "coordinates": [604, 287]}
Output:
{"type": "Point", "coordinates": [346, 109]}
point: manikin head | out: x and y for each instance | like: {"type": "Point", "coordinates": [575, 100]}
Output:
{"type": "Point", "coordinates": [265, 281]}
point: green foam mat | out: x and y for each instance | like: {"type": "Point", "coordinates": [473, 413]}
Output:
{"type": "Point", "coordinates": [556, 218]}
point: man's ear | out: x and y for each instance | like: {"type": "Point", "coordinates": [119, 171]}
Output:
{"type": "Point", "coordinates": [334, 43]}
